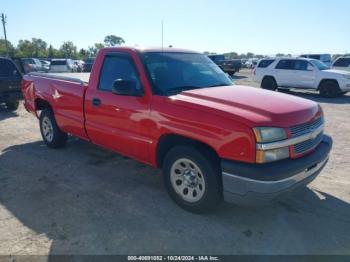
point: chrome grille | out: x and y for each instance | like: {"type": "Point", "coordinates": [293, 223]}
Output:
{"type": "Point", "coordinates": [307, 145]}
{"type": "Point", "coordinates": [303, 129]}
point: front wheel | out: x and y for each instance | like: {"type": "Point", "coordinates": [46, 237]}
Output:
{"type": "Point", "coordinates": [12, 106]}
{"type": "Point", "coordinates": [330, 89]}
{"type": "Point", "coordinates": [51, 133]}
{"type": "Point", "coordinates": [269, 83]}
{"type": "Point", "coordinates": [192, 179]}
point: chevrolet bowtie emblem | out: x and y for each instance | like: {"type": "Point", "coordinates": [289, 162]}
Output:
{"type": "Point", "coordinates": [56, 95]}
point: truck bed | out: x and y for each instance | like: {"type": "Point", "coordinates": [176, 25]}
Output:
{"type": "Point", "coordinates": [64, 92]}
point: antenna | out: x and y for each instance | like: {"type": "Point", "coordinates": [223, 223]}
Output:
{"type": "Point", "coordinates": [162, 34]}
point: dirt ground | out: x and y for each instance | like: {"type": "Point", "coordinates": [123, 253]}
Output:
{"type": "Point", "coordinates": [86, 200]}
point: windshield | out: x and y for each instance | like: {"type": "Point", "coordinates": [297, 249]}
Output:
{"type": "Point", "coordinates": [319, 64]}
{"type": "Point", "coordinates": [172, 73]}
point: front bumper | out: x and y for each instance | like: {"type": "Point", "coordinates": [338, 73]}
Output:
{"type": "Point", "coordinates": [11, 96]}
{"type": "Point", "coordinates": [344, 85]}
{"type": "Point", "coordinates": [255, 184]}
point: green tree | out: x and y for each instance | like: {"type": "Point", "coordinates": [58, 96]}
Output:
{"type": "Point", "coordinates": [83, 53]}
{"type": "Point", "coordinates": [93, 50]}
{"type": "Point", "coordinates": [39, 48]}
{"type": "Point", "coordinates": [68, 50]}
{"type": "Point", "coordinates": [113, 40]}
{"type": "Point", "coordinates": [25, 48]}
{"type": "Point", "coordinates": [3, 51]}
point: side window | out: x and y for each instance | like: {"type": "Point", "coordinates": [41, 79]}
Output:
{"type": "Point", "coordinates": [265, 63]}
{"type": "Point", "coordinates": [117, 67]}
{"type": "Point", "coordinates": [342, 62]}
{"type": "Point", "coordinates": [285, 64]}
{"type": "Point", "coordinates": [7, 68]}
{"type": "Point", "coordinates": [300, 65]}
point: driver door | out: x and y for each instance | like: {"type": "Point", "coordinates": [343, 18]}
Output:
{"type": "Point", "coordinates": [118, 122]}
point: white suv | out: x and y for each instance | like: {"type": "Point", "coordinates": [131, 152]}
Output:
{"type": "Point", "coordinates": [301, 73]}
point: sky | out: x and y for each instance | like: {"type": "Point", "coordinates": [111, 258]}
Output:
{"type": "Point", "coordinates": [258, 26]}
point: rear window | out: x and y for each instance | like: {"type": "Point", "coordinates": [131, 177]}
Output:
{"type": "Point", "coordinates": [58, 62]}
{"type": "Point", "coordinates": [317, 57]}
{"type": "Point", "coordinates": [7, 68]}
{"type": "Point", "coordinates": [265, 63]}
{"type": "Point", "coordinates": [342, 62]}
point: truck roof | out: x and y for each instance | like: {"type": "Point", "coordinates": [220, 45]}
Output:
{"type": "Point", "coordinates": [151, 49]}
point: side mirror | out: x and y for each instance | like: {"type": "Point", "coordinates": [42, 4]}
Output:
{"type": "Point", "coordinates": [126, 88]}
{"type": "Point", "coordinates": [310, 67]}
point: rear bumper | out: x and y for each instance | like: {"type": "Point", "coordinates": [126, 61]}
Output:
{"type": "Point", "coordinates": [11, 96]}
{"type": "Point", "coordinates": [255, 184]}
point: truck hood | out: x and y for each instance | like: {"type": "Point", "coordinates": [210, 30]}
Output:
{"type": "Point", "coordinates": [252, 106]}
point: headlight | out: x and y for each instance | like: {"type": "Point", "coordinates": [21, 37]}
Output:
{"type": "Point", "coordinates": [269, 134]}
{"type": "Point", "coordinates": [272, 155]}
{"type": "Point", "coordinates": [347, 76]}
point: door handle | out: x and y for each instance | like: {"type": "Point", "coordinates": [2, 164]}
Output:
{"type": "Point", "coordinates": [96, 102]}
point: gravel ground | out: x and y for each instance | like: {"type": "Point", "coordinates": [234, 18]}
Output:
{"type": "Point", "coordinates": [86, 200]}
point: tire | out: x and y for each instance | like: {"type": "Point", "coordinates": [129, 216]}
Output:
{"type": "Point", "coordinates": [330, 89]}
{"type": "Point", "coordinates": [50, 132]}
{"type": "Point", "coordinates": [192, 179]}
{"type": "Point", "coordinates": [12, 106]}
{"type": "Point", "coordinates": [269, 83]}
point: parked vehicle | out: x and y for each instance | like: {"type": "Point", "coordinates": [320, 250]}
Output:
{"type": "Point", "coordinates": [31, 65]}
{"type": "Point", "coordinates": [342, 63]}
{"type": "Point", "coordinates": [45, 65]}
{"type": "Point", "coordinates": [10, 84]}
{"type": "Point", "coordinates": [302, 73]}
{"type": "Point", "coordinates": [79, 64]}
{"type": "Point", "coordinates": [324, 58]}
{"type": "Point", "coordinates": [252, 145]}
{"type": "Point", "coordinates": [62, 65]}
{"type": "Point", "coordinates": [251, 63]}
{"type": "Point", "coordinates": [88, 63]}
{"type": "Point", "coordinates": [228, 66]}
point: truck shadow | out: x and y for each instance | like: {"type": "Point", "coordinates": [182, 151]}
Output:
{"type": "Point", "coordinates": [88, 200]}
{"type": "Point", "coordinates": [315, 96]}
{"type": "Point", "coordinates": [5, 113]}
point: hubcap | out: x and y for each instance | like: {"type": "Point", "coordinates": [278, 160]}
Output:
{"type": "Point", "coordinates": [187, 180]}
{"type": "Point", "coordinates": [47, 129]}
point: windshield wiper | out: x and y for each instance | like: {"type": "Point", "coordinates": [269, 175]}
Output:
{"type": "Point", "coordinates": [179, 89]}
{"type": "Point", "coordinates": [220, 85]}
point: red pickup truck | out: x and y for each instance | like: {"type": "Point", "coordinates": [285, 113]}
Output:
{"type": "Point", "coordinates": [176, 110]}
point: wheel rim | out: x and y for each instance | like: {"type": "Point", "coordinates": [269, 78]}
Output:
{"type": "Point", "coordinates": [187, 180]}
{"type": "Point", "coordinates": [47, 129]}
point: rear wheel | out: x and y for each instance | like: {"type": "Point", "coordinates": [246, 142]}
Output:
{"type": "Point", "coordinates": [51, 133]}
{"type": "Point", "coordinates": [330, 89]}
{"type": "Point", "coordinates": [12, 106]}
{"type": "Point", "coordinates": [192, 180]}
{"type": "Point", "coordinates": [269, 83]}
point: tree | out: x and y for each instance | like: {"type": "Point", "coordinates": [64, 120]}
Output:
{"type": "Point", "coordinates": [68, 50]}
{"type": "Point", "coordinates": [113, 40]}
{"type": "Point", "coordinates": [25, 48]}
{"type": "Point", "coordinates": [39, 47]}
{"type": "Point", "coordinates": [93, 50]}
{"type": "Point", "coordinates": [83, 53]}
{"type": "Point", "coordinates": [3, 51]}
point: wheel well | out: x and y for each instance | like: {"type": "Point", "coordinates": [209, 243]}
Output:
{"type": "Point", "coordinates": [166, 142]}
{"type": "Point", "coordinates": [41, 104]}
{"type": "Point", "coordinates": [269, 77]}
{"type": "Point", "coordinates": [327, 80]}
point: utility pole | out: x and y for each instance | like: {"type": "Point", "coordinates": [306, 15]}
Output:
{"type": "Point", "coordinates": [162, 34]}
{"type": "Point", "coordinates": [3, 20]}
